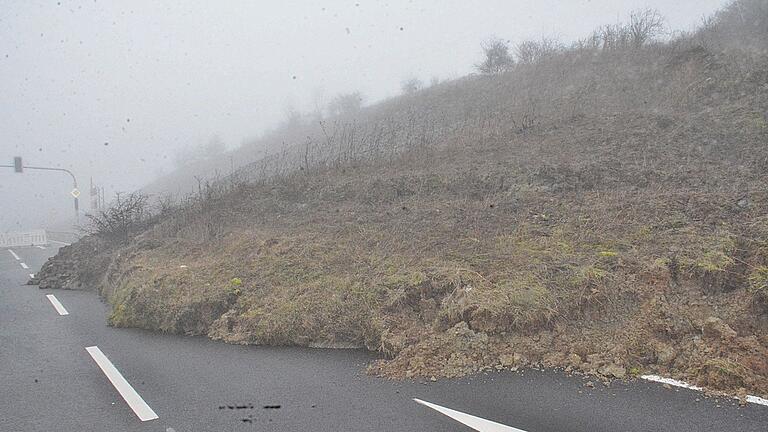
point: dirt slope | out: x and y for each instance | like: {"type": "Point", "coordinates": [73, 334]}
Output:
{"type": "Point", "coordinates": [621, 233]}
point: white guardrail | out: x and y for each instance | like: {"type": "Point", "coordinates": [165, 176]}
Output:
{"type": "Point", "coordinates": [28, 238]}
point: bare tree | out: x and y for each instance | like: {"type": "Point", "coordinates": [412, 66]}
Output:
{"type": "Point", "coordinates": [529, 52]}
{"type": "Point", "coordinates": [613, 37]}
{"type": "Point", "coordinates": [644, 26]}
{"type": "Point", "coordinates": [497, 57]}
{"type": "Point", "coordinates": [411, 85]}
{"type": "Point", "coordinates": [346, 104]}
{"type": "Point", "coordinates": [124, 218]}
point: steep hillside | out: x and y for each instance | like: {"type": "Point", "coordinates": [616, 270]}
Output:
{"type": "Point", "coordinates": [598, 209]}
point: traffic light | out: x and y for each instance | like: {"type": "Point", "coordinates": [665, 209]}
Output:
{"type": "Point", "coordinates": [17, 164]}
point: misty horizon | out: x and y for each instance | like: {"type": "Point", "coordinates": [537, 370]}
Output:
{"type": "Point", "coordinates": [116, 92]}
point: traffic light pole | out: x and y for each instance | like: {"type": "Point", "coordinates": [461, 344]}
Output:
{"type": "Point", "coordinates": [74, 181]}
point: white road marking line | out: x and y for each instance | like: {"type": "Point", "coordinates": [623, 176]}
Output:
{"type": "Point", "coordinates": [476, 423]}
{"type": "Point", "coordinates": [57, 304]}
{"type": "Point", "coordinates": [670, 381]}
{"type": "Point", "coordinates": [24, 266]}
{"type": "Point", "coordinates": [40, 247]}
{"type": "Point", "coordinates": [757, 400]}
{"type": "Point", "coordinates": [137, 404]}
{"type": "Point", "coordinates": [14, 254]}
{"type": "Point", "coordinates": [64, 243]}
{"type": "Point", "coordinates": [685, 385]}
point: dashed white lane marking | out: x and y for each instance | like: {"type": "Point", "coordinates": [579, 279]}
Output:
{"type": "Point", "coordinates": [137, 404]}
{"type": "Point", "coordinates": [681, 384]}
{"type": "Point", "coordinates": [476, 423]}
{"type": "Point", "coordinates": [40, 247]}
{"type": "Point", "coordinates": [14, 254]}
{"type": "Point", "coordinates": [64, 243]}
{"type": "Point", "coordinates": [57, 304]}
{"type": "Point", "coordinates": [24, 266]}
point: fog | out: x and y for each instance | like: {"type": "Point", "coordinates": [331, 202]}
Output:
{"type": "Point", "coordinates": [114, 90]}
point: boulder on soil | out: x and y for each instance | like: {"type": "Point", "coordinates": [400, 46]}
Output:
{"type": "Point", "coordinates": [613, 370]}
{"type": "Point", "coordinates": [665, 354]}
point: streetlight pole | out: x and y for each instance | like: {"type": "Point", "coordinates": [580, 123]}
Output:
{"type": "Point", "coordinates": [75, 192]}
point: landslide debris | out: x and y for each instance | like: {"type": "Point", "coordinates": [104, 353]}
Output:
{"type": "Point", "coordinates": [77, 266]}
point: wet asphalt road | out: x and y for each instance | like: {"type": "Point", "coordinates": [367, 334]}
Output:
{"type": "Point", "coordinates": [48, 382]}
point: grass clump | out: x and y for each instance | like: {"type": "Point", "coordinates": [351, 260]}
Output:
{"type": "Point", "coordinates": [121, 315]}
{"type": "Point", "coordinates": [520, 300]}
{"type": "Point", "coordinates": [235, 285]}
{"type": "Point", "coordinates": [714, 261]}
{"type": "Point", "coordinates": [758, 284]}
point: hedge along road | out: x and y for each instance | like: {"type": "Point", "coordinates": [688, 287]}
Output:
{"type": "Point", "coordinates": [73, 372]}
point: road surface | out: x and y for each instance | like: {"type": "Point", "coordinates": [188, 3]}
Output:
{"type": "Point", "coordinates": [63, 369]}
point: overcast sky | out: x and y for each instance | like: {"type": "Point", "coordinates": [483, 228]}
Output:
{"type": "Point", "coordinates": [112, 89]}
